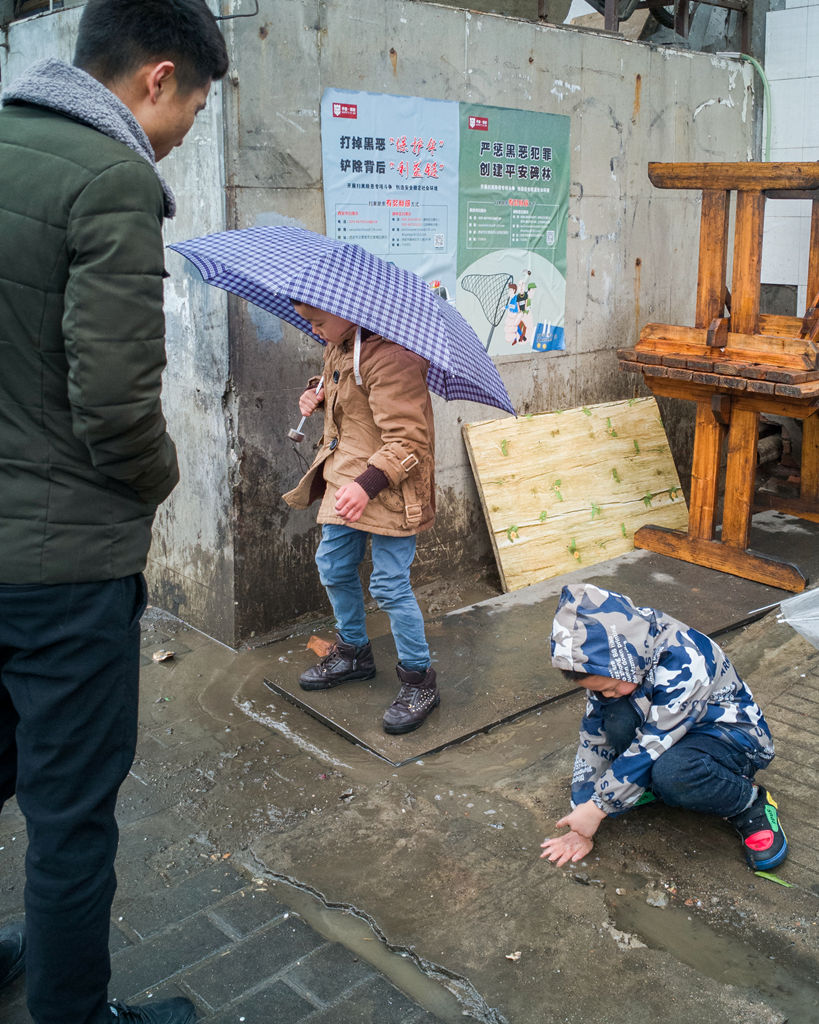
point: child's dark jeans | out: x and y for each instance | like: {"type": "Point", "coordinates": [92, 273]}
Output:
{"type": "Point", "coordinates": [699, 772]}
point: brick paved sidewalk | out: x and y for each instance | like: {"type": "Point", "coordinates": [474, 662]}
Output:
{"type": "Point", "coordinates": [240, 956]}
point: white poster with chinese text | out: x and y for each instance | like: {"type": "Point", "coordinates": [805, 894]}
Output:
{"type": "Point", "coordinates": [473, 199]}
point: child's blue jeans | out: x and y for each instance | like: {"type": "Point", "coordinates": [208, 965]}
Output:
{"type": "Point", "coordinates": [700, 772]}
{"type": "Point", "coordinates": [338, 557]}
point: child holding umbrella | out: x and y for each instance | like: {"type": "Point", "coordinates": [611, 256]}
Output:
{"type": "Point", "coordinates": [374, 475]}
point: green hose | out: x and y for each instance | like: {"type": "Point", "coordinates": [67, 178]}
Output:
{"type": "Point", "coordinates": [767, 93]}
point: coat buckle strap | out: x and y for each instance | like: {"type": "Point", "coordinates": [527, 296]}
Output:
{"type": "Point", "coordinates": [414, 514]}
{"type": "Point", "coordinates": [409, 462]}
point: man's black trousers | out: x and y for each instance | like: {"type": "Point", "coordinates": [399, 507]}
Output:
{"type": "Point", "coordinates": [69, 678]}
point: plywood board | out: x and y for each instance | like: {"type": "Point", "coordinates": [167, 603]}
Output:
{"type": "Point", "coordinates": [564, 490]}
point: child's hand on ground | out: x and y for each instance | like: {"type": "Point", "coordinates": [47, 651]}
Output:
{"type": "Point", "coordinates": [351, 500]}
{"type": "Point", "coordinates": [310, 401]}
{"type": "Point", "coordinates": [570, 847]}
{"type": "Point", "coordinates": [583, 821]}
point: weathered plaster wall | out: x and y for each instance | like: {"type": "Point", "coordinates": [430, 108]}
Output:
{"type": "Point", "coordinates": [632, 249]}
{"type": "Point", "coordinates": [191, 567]}
{"type": "Point", "coordinates": [228, 555]}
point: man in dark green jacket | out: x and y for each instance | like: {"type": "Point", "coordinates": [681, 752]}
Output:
{"type": "Point", "coordinates": [85, 458]}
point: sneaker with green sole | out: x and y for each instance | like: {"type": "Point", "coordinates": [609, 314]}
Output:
{"type": "Point", "coordinates": [759, 828]}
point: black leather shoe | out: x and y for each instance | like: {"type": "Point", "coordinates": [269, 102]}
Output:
{"type": "Point", "coordinates": [166, 1011]}
{"type": "Point", "coordinates": [12, 952]}
{"type": "Point", "coordinates": [341, 664]}
{"type": "Point", "coordinates": [417, 697]}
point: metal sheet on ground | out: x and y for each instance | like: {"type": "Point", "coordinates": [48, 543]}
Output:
{"type": "Point", "coordinates": [483, 680]}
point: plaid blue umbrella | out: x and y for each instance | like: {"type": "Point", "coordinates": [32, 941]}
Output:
{"type": "Point", "coordinates": [270, 266]}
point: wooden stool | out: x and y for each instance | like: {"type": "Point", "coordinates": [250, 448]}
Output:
{"type": "Point", "coordinates": [736, 363]}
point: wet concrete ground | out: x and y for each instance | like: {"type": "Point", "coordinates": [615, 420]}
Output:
{"type": "Point", "coordinates": [438, 858]}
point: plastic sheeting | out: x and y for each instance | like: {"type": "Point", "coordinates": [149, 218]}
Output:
{"type": "Point", "coordinates": [801, 612]}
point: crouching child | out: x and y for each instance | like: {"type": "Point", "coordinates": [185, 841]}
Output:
{"type": "Point", "coordinates": [667, 717]}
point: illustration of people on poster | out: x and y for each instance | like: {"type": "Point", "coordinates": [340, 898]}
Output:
{"type": "Point", "coordinates": [473, 199]}
{"type": "Point", "coordinates": [513, 215]}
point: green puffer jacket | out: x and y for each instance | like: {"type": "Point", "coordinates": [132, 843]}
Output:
{"type": "Point", "coordinates": [84, 453]}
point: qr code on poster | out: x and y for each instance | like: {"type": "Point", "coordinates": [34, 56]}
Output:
{"type": "Point", "coordinates": [438, 240]}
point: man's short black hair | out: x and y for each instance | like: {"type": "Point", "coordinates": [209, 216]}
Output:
{"type": "Point", "coordinates": [117, 37]}
{"type": "Point", "coordinates": [574, 677]}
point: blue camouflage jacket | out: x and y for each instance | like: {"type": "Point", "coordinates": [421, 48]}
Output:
{"type": "Point", "coordinates": [685, 683]}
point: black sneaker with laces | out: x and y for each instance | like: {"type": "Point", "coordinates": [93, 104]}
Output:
{"type": "Point", "coordinates": [166, 1011]}
{"type": "Point", "coordinates": [341, 664]}
{"type": "Point", "coordinates": [12, 952]}
{"type": "Point", "coordinates": [759, 828]}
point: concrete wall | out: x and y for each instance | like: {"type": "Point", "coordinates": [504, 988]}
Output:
{"type": "Point", "coordinates": [191, 568]}
{"type": "Point", "coordinates": [632, 249]}
{"type": "Point", "coordinates": [228, 554]}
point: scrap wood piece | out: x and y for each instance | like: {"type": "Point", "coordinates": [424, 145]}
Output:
{"type": "Point", "coordinates": [768, 349]}
{"type": "Point", "coordinates": [761, 387]}
{"type": "Point", "coordinates": [776, 323]}
{"type": "Point", "coordinates": [810, 321]}
{"type": "Point", "coordinates": [318, 646]}
{"type": "Point", "coordinates": [743, 176]}
{"type": "Point", "coordinates": [808, 390]}
{"type": "Point", "coordinates": [562, 490]}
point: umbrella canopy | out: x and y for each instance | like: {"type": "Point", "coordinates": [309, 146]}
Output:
{"type": "Point", "coordinates": [270, 266]}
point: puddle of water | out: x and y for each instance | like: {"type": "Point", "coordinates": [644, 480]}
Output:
{"type": "Point", "coordinates": [720, 957]}
{"type": "Point", "coordinates": [355, 932]}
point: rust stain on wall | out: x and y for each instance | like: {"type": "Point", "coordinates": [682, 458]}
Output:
{"type": "Point", "coordinates": [394, 59]}
{"type": "Point", "coordinates": [638, 88]}
{"type": "Point", "coordinates": [638, 266]}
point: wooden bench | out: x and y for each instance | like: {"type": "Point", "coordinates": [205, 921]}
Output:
{"type": "Point", "coordinates": [736, 363]}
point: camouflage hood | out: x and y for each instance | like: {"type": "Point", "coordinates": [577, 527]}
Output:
{"type": "Point", "coordinates": [604, 634]}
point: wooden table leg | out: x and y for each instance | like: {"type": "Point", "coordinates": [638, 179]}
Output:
{"type": "Point", "coordinates": [750, 214]}
{"type": "Point", "coordinates": [713, 256]}
{"type": "Point", "coordinates": [729, 554]}
{"type": "Point", "coordinates": [713, 554]}
{"type": "Point", "coordinates": [809, 486]}
{"type": "Point", "coordinates": [708, 439]}
{"type": "Point", "coordinates": [740, 476]}
{"type": "Point", "coordinates": [813, 252]}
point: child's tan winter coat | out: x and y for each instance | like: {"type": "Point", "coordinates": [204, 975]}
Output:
{"type": "Point", "coordinates": [386, 422]}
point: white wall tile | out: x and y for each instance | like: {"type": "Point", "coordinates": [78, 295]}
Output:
{"type": "Point", "coordinates": [780, 153]}
{"type": "Point", "coordinates": [803, 242]}
{"type": "Point", "coordinates": [781, 251]}
{"type": "Point", "coordinates": [792, 208]}
{"type": "Point", "coordinates": [788, 107]}
{"type": "Point", "coordinates": [786, 44]}
{"type": "Point", "coordinates": [811, 134]}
